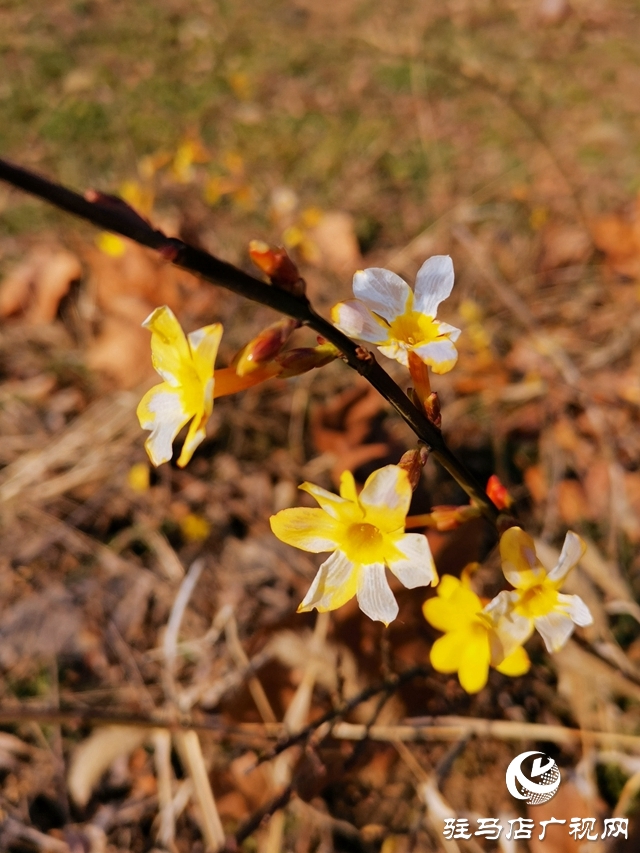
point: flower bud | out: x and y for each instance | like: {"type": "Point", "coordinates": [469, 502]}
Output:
{"type": "Point", "coordinates": [293, 362]}
{"type": "Point", "coordinates": [265, 346]}
{"type": "Point", "coordinates": [277, 264]}
{"type": "Point", "coordinates": [413, 462]}
{"type": "Point", "coordinates": [498, 493]}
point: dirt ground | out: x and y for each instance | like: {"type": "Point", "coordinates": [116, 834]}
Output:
{"type": "Point", "coordinates": [358, 134]}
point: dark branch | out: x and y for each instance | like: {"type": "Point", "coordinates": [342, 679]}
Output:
{"type": "Point", "coordinates": [114, 215]}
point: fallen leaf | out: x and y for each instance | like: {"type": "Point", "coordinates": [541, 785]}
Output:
{"type": "Point", "coordinates": [335, 238]}
{"type": "Point", "coordinates": [563, 244]}
{"type": "Point", "coordinates": [35, 288]}
{"type": "Point", "coordinates": [618, 236]}
{"type": "Point", "coordinates": [121, 351]}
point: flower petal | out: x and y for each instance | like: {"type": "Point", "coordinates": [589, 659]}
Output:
{"type": "Point", "coordinates": [520, 564]}
{"type": "Point", "coordinates": [385, 498]}
{"type": "Point", "coordinates": [356, 320]}
{"type": "Point", "coordinates": [169, 348]}
{"type": "Point", "coordinates": [576, 609]}
{"type": "Point", "coordinates": [572, 552]}
{"type": "Point", "coordinates": [306, 528]}
{"type": "Point", "coordinates": [195, 436]}
{"type": "Point", "coordinates": [511, 628]}
{"type": "Point", "coordinates": [415, 567]}
{"type": "Point", "coordinates": [335, 583]}
{"type": "Point", "coordinates": [348, 489]}
{"type": "Point", "coordinates": [455, 607]}
{"type": "Point", "coordinates": [517, 663]}
{"type": "Point", "coordinates": [374, 594]}
{"type": "Point", "coordinates": [474, 662]}
{"type": "Point", "coordinates": [204, 345]}
{"type": "Point", "coordinates": [433, 284]}
{"type": "Point", "coordinates": [161, 410]}
{"type": "Point", "coordinates": [555, 629]}
{"type": "Point", "coordinates": [441, 355]}
{"type": "Point", "coordinates": [446, 652]}
{"type": "Point", "coordinates": [445, 330]}
{"type": "Point", "coordinates": [394, 349]}
{"type": "Point", "coordinates": [382, 291]}
{"type": "Point", "coordinates": [331, 503]}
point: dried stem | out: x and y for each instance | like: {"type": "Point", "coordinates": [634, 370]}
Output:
{"type": "Point", "coordinates": [114, 215]}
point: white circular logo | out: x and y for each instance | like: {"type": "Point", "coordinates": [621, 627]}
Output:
{"type": "Point", "coordinates": [544, 770]}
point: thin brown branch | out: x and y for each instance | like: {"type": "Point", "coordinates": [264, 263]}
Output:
{"type": "Point", "coordinates": [114, 215]}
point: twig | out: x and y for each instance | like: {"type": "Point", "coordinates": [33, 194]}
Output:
{"type": "Point", "coordinates": [188, 743]}
{"type": "Point", "coordinates": [242, 662]}
{"type": "Point", "coordinates": [114, 215]}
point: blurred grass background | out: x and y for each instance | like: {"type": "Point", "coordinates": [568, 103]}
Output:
{"type": "Point", "coordinates": [393, 112]}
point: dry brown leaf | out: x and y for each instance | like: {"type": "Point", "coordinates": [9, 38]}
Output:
{"type": "Point", "coordinates": [35, 288]}
{"type": "Point", "coordinates": [536, 482]}
{"type": "Point", "coordinates": [618, 236]}
{"type": "Point", "coordinates": [96, 754]}
{"type": "Point", "coordinates": [121, 351]}
{"type": "Point", "coordinates": [563, 244]}
{"type": "Point", "coordinates": [335, 237]}
{"type": "Point", "coordinates": [572, 502]}
{"type": "Point", "coordinates": [342, 427]}
{"type": "Point", "coordinates": [137, 274]}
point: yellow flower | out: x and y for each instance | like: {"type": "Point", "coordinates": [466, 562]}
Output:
{"type": "Point", "coordinates": [387, 313]}
{"type": "Point", "coordinates": [365, 532]}
{"type": "Point", "coordinates": [186, 364]}
{"type": "Point", "coordinates": [536, 601]}
{"type": "Point", "coordinates": [473, 639]}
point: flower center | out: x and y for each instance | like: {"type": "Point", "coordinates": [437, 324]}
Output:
{"type": "Point", "coordinates": [414, 328]}
{"type": "Point", "coordinates": [363, 543]}
{"type": "Point", "coordinates": [537, 601]}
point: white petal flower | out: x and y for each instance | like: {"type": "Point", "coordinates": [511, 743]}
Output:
{"type": "Point", "coordinates": [536, 602]}
{"type": "Point", "coordinates": [387, 313]}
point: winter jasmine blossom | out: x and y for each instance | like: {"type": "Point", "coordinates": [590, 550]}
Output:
{"type": "Point", "coordinates": [186, 363]}
{"type": "Point", "coordinates": [399, 321]}
{"type": "Point", "coordinates": [536, 601]}
{"type": "Point", "coordinates": [365, 533]}
{"type": "Point", "coordinates": [475, 637]}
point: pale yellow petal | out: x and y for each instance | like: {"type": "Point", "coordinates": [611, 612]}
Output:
{"type": "Point", "coordinates": [441, 355]}
{"type": "Point", "coordinates": [348, 487]}
{"type": "Point", "coordinates": [385, 498]}
{"type": "Point", "coordinates": [520, 564]}
{"type": "Point", "coordinates": [555, 629]}
{"type": "Point", "coordinates": [576, 609]}
{"type": "Point", "coordinates": [375, 598]}
{"type": "Point", "coordinates": [413, 565]}
{"type": "Point", "coordinates": [356, 321]}
{"type": "Point", "coordinates": [161, 410]}
{"type": "Point", "coordinates": [336, 506]}
{"type": "Point", "coordinates": [335, 583]}
{"type": "Point", "coordinates": [204, 345]}
{"type": "Point", "coordinates": [572, 552]}
{"type": "Point", "coordinates": [195, 436]}
{"type": "Point", "coordinates": [169, 348]}
{"type": "Point", "coordinates": [307, 528]}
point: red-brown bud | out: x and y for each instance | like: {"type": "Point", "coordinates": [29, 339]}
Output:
{"type": "Point", "coordinates": [265, 346]}
{"type": "Point", "coordinates": [277, 264]}
{"type": "Point", "coordinates": [413, 462]}
{"type": "Point", "coordinates": [293, 362]}
{"type": "Point", "coordinates": [498, 493]}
